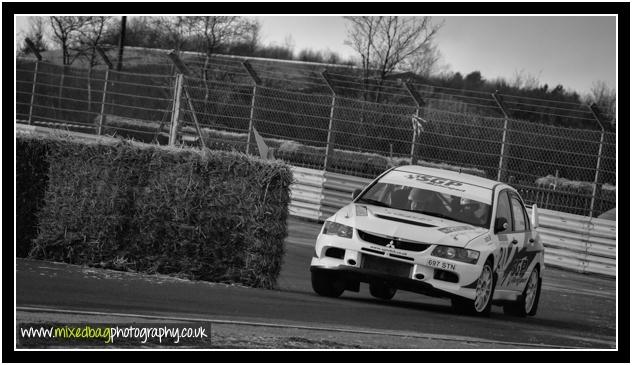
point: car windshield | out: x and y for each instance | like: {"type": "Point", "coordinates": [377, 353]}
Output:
{"type": "Point", "coordinates": [414, 199]}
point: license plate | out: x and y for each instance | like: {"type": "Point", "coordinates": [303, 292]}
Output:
{"type": "Point", "coordinates": [441, 264]}
{"type": "Point", "coordinates": [386, 266]}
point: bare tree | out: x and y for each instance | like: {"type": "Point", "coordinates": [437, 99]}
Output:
{"type": "Point", "coordinates": [604, 96]}
{"type": "Point", "coordinates": [176, 31]}
{"type": "Point", "coordinates": [361, 37]}
{"type": "Point", "coordinates": [67, 32]}
{"type": "Point", "coordinates": [387, 43]}
{"type": "Point", "coordinates": [216, 33]}
{"type": "Point", "coordinates": [35, 32]}
{"type": "Point", "coordinates": [92, 36]}
{"type": "Point", "coordinates": [525, 80]}
{"type": "Point", "coordinates": [425, 62]}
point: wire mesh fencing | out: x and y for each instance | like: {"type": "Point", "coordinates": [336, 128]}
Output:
{"type": "Point", "coordinates": [334, 122]}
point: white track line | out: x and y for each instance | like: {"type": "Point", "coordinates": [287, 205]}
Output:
{"type": "Point", "coordinates": [304, 327]}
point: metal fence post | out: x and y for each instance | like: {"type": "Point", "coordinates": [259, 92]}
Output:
{"type": "Point", "coordinates": [33, 48]}
{"type": "Point", "coordinates": [103, 100]}
{"type": "Point", "coordinates": [595, 112]}
{"type": "Point", "coordinates": [329, 148]}
{"type": "Point", "coordinates": [419, 102]}
{"type": "Point", "coordinates": [33, 92]}
{"type": "Point", "coordinates": [502, 163]}
{"type": "Point", "coordinates": [175, 115]}
{"type": "Point", "coordinates": [251, 123]}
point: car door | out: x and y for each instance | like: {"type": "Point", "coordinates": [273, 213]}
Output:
{"type": "Point", "coordinates": [504, 238]}
{"type": "Point", "coordinates": [518, 259]}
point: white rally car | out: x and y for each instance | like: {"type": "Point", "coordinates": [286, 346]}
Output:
{"type": "Point", "coordinates": [435, 232]}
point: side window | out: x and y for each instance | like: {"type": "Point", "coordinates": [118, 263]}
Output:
{"type": "Point", "coordinates": [504, 209]}
{"type": "Point", "coordinates": [527, 218]}
{"type": "Point", "coordinates": [518, 214]}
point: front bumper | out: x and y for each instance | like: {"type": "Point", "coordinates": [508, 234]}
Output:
{"type": "Point", "coordinates": [354, 274]}
{"type": "Point", "coordinates": [426, 275]}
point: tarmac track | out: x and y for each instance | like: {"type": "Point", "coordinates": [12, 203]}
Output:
{"type": "Point", "coordinates": [576, 311]}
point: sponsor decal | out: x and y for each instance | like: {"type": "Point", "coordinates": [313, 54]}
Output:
{"type": "Point", "coordinates": [388, 248]}
{"type": "Point", "coordinates": [437, 181]}
{"type": "Point", "coordinates": [455, 229]}
{"type": "Point", "coordinates": [409, 216]}
{"type": "Point", "coordinates": [515, 274]}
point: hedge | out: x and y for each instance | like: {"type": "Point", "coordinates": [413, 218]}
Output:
{"type": "Point", "coordinates": [210, 215]}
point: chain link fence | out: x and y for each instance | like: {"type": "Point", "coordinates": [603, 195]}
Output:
{"type": "Point", "coordinates": [332, 121]}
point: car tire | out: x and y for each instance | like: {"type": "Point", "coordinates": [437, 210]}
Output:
{"type": "Point", "coordinates": [382, 291]}
{"type": "Point", "coordinates": [327, 284]}
{"type": "Point", "coordinates": [527, 303]}
{"type": "Point", "coordinates": [482, 304]}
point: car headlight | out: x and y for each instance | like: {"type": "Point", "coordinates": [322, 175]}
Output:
{"type": "Point", "coordinates": [338, 229]}
{"type": "Point", "coordinates": [457, 254]}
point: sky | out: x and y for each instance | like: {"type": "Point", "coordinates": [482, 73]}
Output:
{"type": "Point", "coordinates": [574, 51]}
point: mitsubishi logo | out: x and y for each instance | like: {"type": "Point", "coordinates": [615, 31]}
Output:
{"type": "Point", "coordinates": [391, 244]}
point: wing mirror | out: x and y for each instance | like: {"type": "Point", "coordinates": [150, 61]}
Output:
{"type": "Point", "coordinates": [501, 224]}
{"type": "Point", "coordinates": [534, 216]}
{"type": "Point", "coordinates": [355, 193]}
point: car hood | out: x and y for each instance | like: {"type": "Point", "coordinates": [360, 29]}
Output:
{"type": "Point", "coordinates": [409, 225]}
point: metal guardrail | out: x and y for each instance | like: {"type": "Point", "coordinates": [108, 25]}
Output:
{"type": "Point", "coordinates": [307, 193]}
{"type": "Point", "coordinates": [578, 243]}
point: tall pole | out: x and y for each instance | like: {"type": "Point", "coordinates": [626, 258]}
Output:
{"type": "Point", "coordinates": [502, 162]}
{"type": "Point", "coordinates": [595, 112]}
{"type": "Point", "coordinates": [251, 120]}
{"type": "Point", "coordinates": [103, 99]}
{"type": "Point", "coordinates": [184, 71]}
{"type": "Point", "coordinates": [419, 102]}
{"type": "Point", "coordinates": [175, 115]}
{"type": "Point", "coordinates": [121, 44]}
{"type": "Point", "coordinates": [33, 92]}
{"type": "Point", "coordinates": [257, 81]}
{"type": "Point", "coordinates": [33, 48]}
{"type": "Point", "coordinates": [329, 148]}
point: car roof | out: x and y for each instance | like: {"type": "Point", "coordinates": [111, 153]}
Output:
{"type": "Point", "coordinates": [452, 175]}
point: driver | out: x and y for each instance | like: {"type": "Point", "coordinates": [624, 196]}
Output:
{"type": "Point", "coordinates": [473, 211]}
{"type": "Point", "coordinates": [425, 200]}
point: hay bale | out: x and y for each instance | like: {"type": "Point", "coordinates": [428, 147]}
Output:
{"type": "Point", "coordinates": [210, 215]}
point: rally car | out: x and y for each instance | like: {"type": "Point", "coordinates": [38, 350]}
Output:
{"type": "Point", "coordinates": [435, 232]}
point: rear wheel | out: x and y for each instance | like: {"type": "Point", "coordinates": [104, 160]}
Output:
{"type": "Point", "coordinates": [527, 304]}
{"type": "Point", "coordinates": [327, 284]}
{"type": "Point", "coordinates": [381, 290]}
{"type": "Point", "coordinates": [482, 303]}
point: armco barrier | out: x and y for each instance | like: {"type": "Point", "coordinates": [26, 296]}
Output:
{"type": "Point", "coordinates": [578, 243]}
{"type": "Point", "coordinates": [307, 193]}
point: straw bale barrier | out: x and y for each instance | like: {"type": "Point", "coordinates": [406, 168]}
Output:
{"type": "Point", "coordinates": [212, 215]}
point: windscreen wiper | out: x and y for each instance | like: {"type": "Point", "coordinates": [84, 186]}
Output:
{"type": "Point", "coordinates": [373, 202]}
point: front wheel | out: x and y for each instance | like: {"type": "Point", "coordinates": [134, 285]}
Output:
{"type": "Point", "coordinates": [527, 304]}
{"type": "Point", "coordinates": [327, 284]}
{"type": "Point", "coordinates": [482, 303]}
